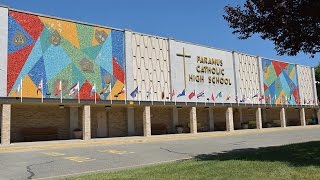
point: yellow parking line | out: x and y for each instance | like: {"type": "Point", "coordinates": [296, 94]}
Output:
{"type": "Point", "coordinates": [79, 159]}
{"type": "Point", "coordinates": [53, 153]}
{"type": "Point", "coordinates": [119, 152]}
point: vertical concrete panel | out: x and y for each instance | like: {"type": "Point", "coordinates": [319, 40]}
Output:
{"type": "Point", "coordinates": [249, 79]}
{"type": "Point", "coordinates": [130, 120]}
{"type": "Point", "coordinates": [236, 65]}
{"type": "Point", "coordinates": [146, 121]}
{"type": "Point", "coordinates": [186, 76]}
{"type": "Point", "coordinates": [5, 124]}
{"type": "Point", "coordinates": [315, 96]}
{"type": "Point", "coordinates": [3, 50]}
{"type": "Point", "coordinates": [86, 122]}
{"type": "Point", "coordinates": [148, 67]}
{"type": "Point", "coordinates": [129, 66]}
{"type": "Point", "coordinates": [306, 82]}
{"type": "Point", "coordinates": [193, 120]}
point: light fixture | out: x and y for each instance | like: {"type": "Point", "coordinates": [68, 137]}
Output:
{"type": "Point", "coordinates": [61, 106]}
{"type": "Point", "coordinates": [179, 107]}
{"type": "Point", "coordinates": [207, 107]}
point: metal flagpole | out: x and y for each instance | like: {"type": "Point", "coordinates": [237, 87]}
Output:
{"type": "Point", "coordinates": [78, 89]}
{"type": "Point", "coordinates": [95, 93]}
{"type": "Point", "coordinates": [151, 93]}
{"type": "Point", "coordinates": [21, 89]}
{"type": "Point", "coordinates": [138, 96]}
{"type": "Point", "coordinates": [110, 89]}
{"type": "Point", "coordinates": [60, 86]}
{"type": "Point", "coordinates": [41, 90]}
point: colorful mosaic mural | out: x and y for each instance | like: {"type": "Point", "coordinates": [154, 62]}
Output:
{"type": "Point", "coordinates": [56, 55]}
{"type": "Point", "coordinates": [280, 82]}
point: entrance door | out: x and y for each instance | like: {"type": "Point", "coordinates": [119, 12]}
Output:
{"type": "Point", "coordinates": [102, 130]}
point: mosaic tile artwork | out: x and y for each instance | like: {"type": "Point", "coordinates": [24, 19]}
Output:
{"type": "Point", "coordinates": [280, 82]}
{"type": "Point", "coordinates": [55, 51]}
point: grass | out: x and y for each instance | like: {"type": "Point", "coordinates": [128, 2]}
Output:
{"type": "Point", "coordinates": [295, 161]}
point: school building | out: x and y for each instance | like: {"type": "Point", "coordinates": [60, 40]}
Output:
{"type": "Point", "coordinates": [63, 79]}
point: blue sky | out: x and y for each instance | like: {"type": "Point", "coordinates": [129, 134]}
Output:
{"type": "Point", "coordinates": [197, 21]}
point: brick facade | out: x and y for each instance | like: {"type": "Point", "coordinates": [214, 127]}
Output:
{"type": "Point", "coordinates": [39, 116]}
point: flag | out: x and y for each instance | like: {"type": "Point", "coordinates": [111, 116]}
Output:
{"type": "Point", "coordinates": [40, 85]}
{"type": "Point", "coordinates": [105, 89]}
{"type": "Point", "coordinates": [219, 95]}
{"type": "Point", "coordinates": [183, 93]}
{"type": "Point", "coordinates": [58, 88]}
{"type": "Point", "coordinates": [261, 98]}
{"type": "Point", "coordinates": [255, 96]}
{"type": "Point", "coordinates": [236, 98]}
{"type": "Point", "coordinates": [192, 94]}
{"type": "Point", "coordinates": [173, 93]}
{"type": "Point", "coordinates": [162, 95]}
{"type": "Point", "coordinates": [134, 93]}
{"type": "Point", "coordinates": [18, 89]}
{"type": "Point", "coordinates": [74, 89]}
{"type": "Point", "coordinates": [212, 97]}
{"type": "Point", "coordinates": [243, 98]}
{"type": "Point", "coordinates": [93, 90]}
{"type": "Point", "coordinates": [120, 92]}
{"type": "Point", "coordinates": [228, 97]}
{"type": "Point", "coordinates": [201, 94]}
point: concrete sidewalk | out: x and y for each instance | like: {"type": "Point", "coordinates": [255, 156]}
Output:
{"type": "Point", "coordinates": [42, 145]}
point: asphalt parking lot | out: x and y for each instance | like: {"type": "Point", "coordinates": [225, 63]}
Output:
{"type": "Point", "coordinates": [50, 162]}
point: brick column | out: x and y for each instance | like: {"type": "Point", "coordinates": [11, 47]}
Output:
{"type": "Point", "coordinates": [258, 119]}
{"type": "Point", "coordinates": [175, 120]}
{"type": "Point", "coordinates": [229, 119]}
{"type": "Point", "coordinates": [283, 117]}
{"type": "Point", "coordinates": [130, 121]}
{"type": "Point", "coordinates": [302, 117]}
{"type": "Point", "coordinates": [211, 119]}
{"type": "Point", "coordinates": [146, 121]}
{"type": "Point", "coordinates": [5, 124]}
{"type": "Point", "coordinates": [193, 120]}
{"type": "Point", "coordinates": [86, 122]}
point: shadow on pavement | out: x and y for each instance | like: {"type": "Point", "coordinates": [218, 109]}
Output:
{"type": "Point", "coordinates": [301, 154]}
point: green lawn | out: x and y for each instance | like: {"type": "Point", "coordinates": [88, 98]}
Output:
{"type": "Point", "coordinates": [296, 161]}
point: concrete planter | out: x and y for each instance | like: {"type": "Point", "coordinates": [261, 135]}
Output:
{"type": "Point", "coordinates": [179, 130]}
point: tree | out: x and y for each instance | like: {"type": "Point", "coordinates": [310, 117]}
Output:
{"type": "Point", "coordinates": [293, 25]}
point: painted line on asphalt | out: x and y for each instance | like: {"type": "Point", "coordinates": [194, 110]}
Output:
{"type": "Point", "coordinates": [119, 152]}
{"type": "Point", "coordinates": [79, 159]}
{"type": "Point", "coordinates": [170, 137]}
{"type": "Point", "coordinates": [112, 169]}
{"type": "Point", "coordinates": [53, 153]}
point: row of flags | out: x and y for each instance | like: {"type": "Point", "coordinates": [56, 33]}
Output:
{"type": "Point", "coordinates": [243, 99]}
{"type": "Point", "coordinates": [74, 90]}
